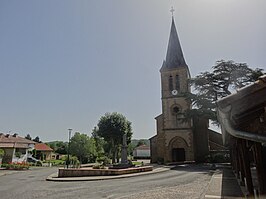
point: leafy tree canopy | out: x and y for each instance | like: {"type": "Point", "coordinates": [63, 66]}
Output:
{"type": "Point", "coordinates": [225, 77]}
{"type": "Point", "coordinates": [100, 143]}
{"type": "Point", "coordinates": [28, 137]}
{"type": "Point", "coordinates": [37, 139]}
{"type": "Point", "coordinates": [141, 142]}
{"type": "Point", "coordinates": [111, 127]}
{"type": "Point", "coordinates": [82, 146]}
{"type": "Point", "coordinates": [59, 146]}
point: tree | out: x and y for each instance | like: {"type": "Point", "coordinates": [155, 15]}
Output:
{"type": "Point", "coordinates": [99, 142]}
{"type": "Point", "coordinates": [112, 127]}
{"type": "Point", "coordinates": [58, 146]}
{"type": "Point", "coordinates": [226, 77]}
{"type": "Point", "coordinates": [37, 139]}
{"type": "Point", "coordinates": [28, 137]}
{"type": "Point", "coordinates": [141, 142]}
{"type": "Point", "coordinates": [82, 146]}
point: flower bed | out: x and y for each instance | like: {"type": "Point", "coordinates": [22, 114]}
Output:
{"type": "Point", "coordinates": [100, 172]}
{"type": "Point", "coordinates": [16, 166]}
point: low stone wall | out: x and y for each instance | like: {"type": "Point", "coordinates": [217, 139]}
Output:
{"type": "Point", "coordinates": [100, 172]}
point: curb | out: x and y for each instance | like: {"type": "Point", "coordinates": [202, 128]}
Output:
{"type": "Point", "coordinates": [216, 182]}
{"type": "Point", "coordinates": [53, 177]}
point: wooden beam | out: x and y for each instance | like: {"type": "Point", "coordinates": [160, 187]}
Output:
{"type": "Point", "coordinates": [246, 165]}
{"type": "Point", "coordinates": [257, 151]}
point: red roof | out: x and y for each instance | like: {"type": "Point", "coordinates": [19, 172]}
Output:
{"type": "Point", "coordinates": [42, 147]}
{"type": "Point", "coordinates": [143, 147]}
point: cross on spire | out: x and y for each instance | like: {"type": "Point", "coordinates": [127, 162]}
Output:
{"type": "Point", "coordinates": [172, 11]}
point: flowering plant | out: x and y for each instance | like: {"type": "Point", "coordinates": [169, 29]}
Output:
{"type": "Point", "coordinates": [16, 165]}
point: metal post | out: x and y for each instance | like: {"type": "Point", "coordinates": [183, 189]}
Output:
{"type": "Point", "coordinates": [69, 135]}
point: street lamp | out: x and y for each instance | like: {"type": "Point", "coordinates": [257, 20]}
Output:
{"type": "Point", "coordinates": [69, 135]}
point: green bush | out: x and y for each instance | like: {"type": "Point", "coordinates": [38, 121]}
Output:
{"type": "Point", "coordinates": [218, 158]}
{"type": "Point", "coordinates": [98, 166]}
{"type": "Point", "coordinates": [55, 162]}
{"type": "Point", "coordinates": [2, 152]}
{"type": "Point", "coordinates": [73, 161]}
{"type": "Point", "coordinates": [104, 160]}
{"type": "Point", "coordinates": [136, 163]}
{"type": "Point", "coordinates": [18, 154]}
{"type": "Point", "coordinates": [16, 166]}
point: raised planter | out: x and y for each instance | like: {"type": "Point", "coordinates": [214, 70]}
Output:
{"type": "Point", "coordinates": [100, 172]}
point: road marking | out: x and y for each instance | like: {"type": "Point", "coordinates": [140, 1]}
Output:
{"type": "Point", "coordinates": [212, 196]}
{"type": "Point", "coordinates": [227, 178]}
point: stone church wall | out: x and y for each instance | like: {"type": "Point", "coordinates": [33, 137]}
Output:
{"type": "Point", "coordinates": [201, 139]}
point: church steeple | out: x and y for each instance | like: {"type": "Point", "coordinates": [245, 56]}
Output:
{"type": "Point", "coordinates": [174, 56]}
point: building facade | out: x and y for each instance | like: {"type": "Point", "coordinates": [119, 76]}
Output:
{"type": "Point", "coordinates": [142, 151]}
{"type": "Point", "coordinates": [16, 149]}
{"type": "Point", "coordinates": [177, 138]}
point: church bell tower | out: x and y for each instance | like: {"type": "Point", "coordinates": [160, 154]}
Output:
{"type": "Point", "coordinates": [174, 139]}
{"type": "Point", "coordinates": [174, 84]}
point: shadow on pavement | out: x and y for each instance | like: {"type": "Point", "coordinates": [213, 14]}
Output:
{"type": "Point", "coordinates": [230, 186]}
{"type": "Point", "coordinates": [204, 168]}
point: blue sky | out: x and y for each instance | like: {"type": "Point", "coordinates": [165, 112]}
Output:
{"type": "Point", "coordinates": [65, 63]}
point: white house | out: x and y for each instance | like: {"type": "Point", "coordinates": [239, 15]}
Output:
{"type": "Point", "coordinates": [142, 151]}
{"type": "Point", "coordinates": [16, 148]}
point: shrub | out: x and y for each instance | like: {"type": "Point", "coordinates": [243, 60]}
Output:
{"type": "Point", "coordinates": [18, 154]}
{"type": "Point", "coordinates": [55, 162]}
{"type": "Point", "coordinates": [16, 166]}
{"type": "Point", "coordinates": [218, 157]}
{"type": "Point", "coordinates": [98, 166]}
{"type": "Point", "coordinates": [104, 160]}
{"type": "Point", "coordinates": [73, 161]}
{"type": "Point", "coordinates": [2, 152]}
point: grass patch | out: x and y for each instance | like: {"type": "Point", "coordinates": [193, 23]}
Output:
{"type": "Point", "coordinates": [55, 162]}
{"type": "Point", "coordinates": [136, 163]}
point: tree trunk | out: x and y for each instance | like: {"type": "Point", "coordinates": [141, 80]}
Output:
{"type": "Point", "coordinates": [113, 152]}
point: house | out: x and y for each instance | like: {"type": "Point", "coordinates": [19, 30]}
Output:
{"type": "Point", "coordinates": [16, 148]}
{"type": "Point", "coordinates": [142, 151]}
{"type": "Point", "coordinates": [43, 151]}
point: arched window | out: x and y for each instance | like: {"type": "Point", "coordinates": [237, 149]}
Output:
{"type": "Point", "coordinates": [171, 87]}
{"type": "Point", "coordinates": [177, 83]}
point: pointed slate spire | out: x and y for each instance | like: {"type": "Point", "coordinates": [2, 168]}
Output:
{"type": "Point", "coordinates": [174, 56]}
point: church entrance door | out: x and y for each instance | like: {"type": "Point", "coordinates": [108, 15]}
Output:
{"type": "Point", "coordinates": [178, 155]}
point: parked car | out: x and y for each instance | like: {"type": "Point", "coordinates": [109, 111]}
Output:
{"type": "Point", "coordinates": [33, 160]}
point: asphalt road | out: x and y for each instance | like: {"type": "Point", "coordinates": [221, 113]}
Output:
{"type": "Point", "coordinates": [182, 182]}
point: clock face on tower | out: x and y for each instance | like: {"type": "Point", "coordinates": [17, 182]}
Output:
{"type": "Point", "coordinates": [174, 92]}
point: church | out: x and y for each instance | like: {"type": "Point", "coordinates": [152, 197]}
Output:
{"type": "Point", "coordinates": [178, 139]}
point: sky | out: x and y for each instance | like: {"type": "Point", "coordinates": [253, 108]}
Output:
{"type": "Point", "coordinates": [65, 63]}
